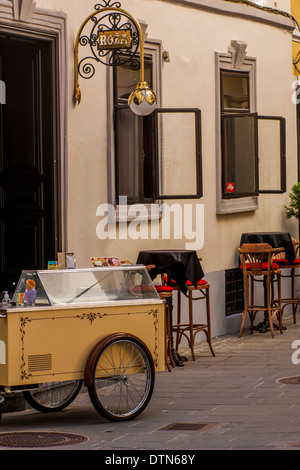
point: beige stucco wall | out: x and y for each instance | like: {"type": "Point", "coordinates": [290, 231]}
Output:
{"type": "Point", "coordinates": [191, 36]}
{"type": "Point", "coordinates": [278, 4]}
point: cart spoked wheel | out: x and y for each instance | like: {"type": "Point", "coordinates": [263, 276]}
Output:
{"type": "Point", "coordinates": [122, 378]}
{"type": "Point", "coordinates": [53, 396]}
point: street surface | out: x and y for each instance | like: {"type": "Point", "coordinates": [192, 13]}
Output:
{"type": "Point", "coordinates": [229, 402]}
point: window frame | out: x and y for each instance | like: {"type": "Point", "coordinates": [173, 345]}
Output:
{"type": "Point", "coordinates": [256, 166]}
{"type": "Point", "coordinates": [153, 48]}
{"type": "Point", "coordinates": [155, 163]}
{"type": "Point", "coordinates": [141, 198]}
{"type": "Point", "coordinates": [282, 127]}
{"type": "Point", "coordinates": [140, 122]}
{"type": "Point", "coordinates": [235, 73]}
{"type": "Point", "coordinates": [227, 61]}
{"type": "Point", "coordinates": [229, 113]}
{"type": "Point", "coordinates": [198, 153]}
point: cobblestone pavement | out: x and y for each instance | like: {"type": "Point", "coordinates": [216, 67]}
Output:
{"type": "Point", "coordinates": [232, 401]}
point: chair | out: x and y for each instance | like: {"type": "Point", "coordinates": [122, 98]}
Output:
{"type": "Point", "coordinates": [191, 329]}
{"type": "Point", "coordinates": [257, 260]}
{"type": "Point", "coordinates": [284, 264]}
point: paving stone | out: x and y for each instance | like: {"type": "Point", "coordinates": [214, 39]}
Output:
{"type": "Point", "coordinates": [237, 392]}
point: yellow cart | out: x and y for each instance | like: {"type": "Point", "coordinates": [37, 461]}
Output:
{"type": "Point", "coordinates": [101, 326]}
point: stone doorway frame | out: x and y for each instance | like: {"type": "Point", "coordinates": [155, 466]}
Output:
{"type": "Point", "coordinates": [21, 17]}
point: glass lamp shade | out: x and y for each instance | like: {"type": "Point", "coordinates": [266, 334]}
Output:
{"type": "Point", "coordinates": [142, 100]}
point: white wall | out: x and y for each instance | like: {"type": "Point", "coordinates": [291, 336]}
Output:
{"type": "Point", "coordinates": [191, 36]}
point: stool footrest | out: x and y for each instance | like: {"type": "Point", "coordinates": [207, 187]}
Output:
{"type": "Point", "coordinates": [192, 328]}
{"type": "Point", "coordinates": [186, 326]}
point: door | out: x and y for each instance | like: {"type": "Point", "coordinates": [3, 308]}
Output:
{"type": "Point", "coordinates": [29, 235]}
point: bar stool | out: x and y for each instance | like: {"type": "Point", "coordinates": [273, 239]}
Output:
{"type": "Point", "coordinates": [191, 329]}
{"type": "Point", "coordinates": [165, 292]}
{"type": "Point", "coordinates": [284, 265]}
{"type": "Point", "coordinates": [257, 260]}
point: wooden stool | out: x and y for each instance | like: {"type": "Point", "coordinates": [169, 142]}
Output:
{"type": "Point", "coordinates": [165, 292]}
{"type": "Point", "coordinates": [191, 329]}
{"type": "Point", "coordinates": [256, 261]}
{"type": "Point", "coordinates": [284, 265]}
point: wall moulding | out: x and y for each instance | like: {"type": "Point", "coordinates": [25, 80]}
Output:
{"type": "Point", "coordinates": [23, 13]}
{"type": "Point", "coordinates": [23, 9]}
{"type": "Point", "coordinates": [239, 10]}
{"type": "Point", "coordinates": [19, 10]}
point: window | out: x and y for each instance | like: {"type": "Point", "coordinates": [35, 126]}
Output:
{"type": "Point", "coordinates": [156, 156]}
{"type": "Point", "coordinates": [252, 146]}
{"type": "Point", "coordinates": [133, 139]}
{"type": "Point", "coordinates": [240, 159]}
{"type": "Point", "coordinates": [271, 141]}
{"type": "Point", "coordinates": [239, 137]}
{"type": "Point", "coordinates": [178, 153]}
{"type": "Point", "coordinates": [235, 91]}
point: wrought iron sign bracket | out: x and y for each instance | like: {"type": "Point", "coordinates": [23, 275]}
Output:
{"type": "Point", "coordinates": [113, 37]}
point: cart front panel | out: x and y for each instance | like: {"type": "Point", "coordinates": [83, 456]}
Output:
{"type": "Point", "coordinates": [53, 345]}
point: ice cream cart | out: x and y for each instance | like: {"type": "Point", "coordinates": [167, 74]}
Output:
{"type": "Point", "coordinates": [103, 327]}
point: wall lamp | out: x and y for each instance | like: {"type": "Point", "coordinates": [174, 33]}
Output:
{"type": "Point", "coordinates": [113, 39]}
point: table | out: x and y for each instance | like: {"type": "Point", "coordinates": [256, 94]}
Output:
{"type": "Point", "coordinates": [276, 240]}
{"type": "Point", "coordinates": [179, 265]}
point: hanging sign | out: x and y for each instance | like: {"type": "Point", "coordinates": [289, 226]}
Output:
{"type": "Point", "coordinates": [114, 39]}
{"type": "Point", "coordinates": [109, 35]}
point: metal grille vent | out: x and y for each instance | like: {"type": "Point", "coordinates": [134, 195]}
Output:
{"type": "Point", "coordinates": [187, 426]}
{"type": "Point", "coordinates": [38, 363]}
{"type": "Point", "coordinates": [234, 291]}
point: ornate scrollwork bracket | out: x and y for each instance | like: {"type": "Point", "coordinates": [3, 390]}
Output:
{"type": "Point", "coordinates": [111, 36]}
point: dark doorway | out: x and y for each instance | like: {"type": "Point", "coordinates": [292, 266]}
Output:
{"type": "Point", "coordinates": [29, 235]}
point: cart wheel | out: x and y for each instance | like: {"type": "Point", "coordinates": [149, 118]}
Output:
{"type": "Point", "coordinates": [53, 396]}
{"type": "Point", "coordinates": [123, 379]}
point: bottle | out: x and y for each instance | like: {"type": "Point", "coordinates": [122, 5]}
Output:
{"type": "Point", "coordinates": [6, 299]}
